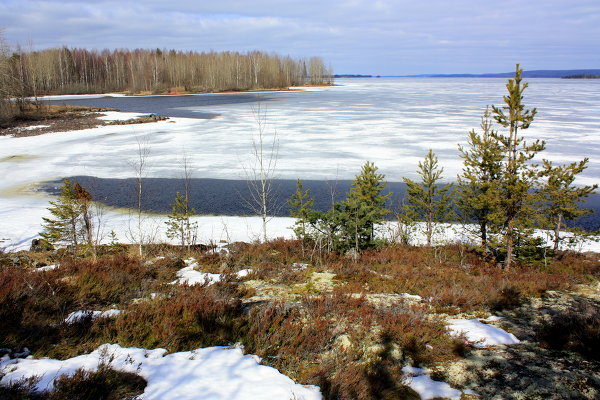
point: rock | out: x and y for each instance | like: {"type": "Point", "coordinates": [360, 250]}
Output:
{"type": "Point", "coordinates": [41, 245]}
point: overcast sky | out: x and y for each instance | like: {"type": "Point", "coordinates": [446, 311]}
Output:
{"type": "Point", "coordinates": [356, 36]}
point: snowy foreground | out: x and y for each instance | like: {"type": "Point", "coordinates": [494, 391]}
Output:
{"type": "Point", "coordinates": [223, 372]}
{"type": "Point", "coordinates": [209, 373]}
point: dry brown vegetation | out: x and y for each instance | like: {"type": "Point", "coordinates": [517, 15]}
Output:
{"type": "Point", "coordinates": [350, 337]}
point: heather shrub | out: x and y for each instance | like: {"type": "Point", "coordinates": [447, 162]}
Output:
{"type": "Point", "coordinates": [190, 317]}
{"type": "Point", "coordinates": [117, 279]}
{"type": "Point", "coordinates": [104, 383]}
{"type": "Point", "coordinates": [32, 304]}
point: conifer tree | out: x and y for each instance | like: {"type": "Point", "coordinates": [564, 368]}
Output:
{"type": "Point", "coordinates": [427, 200]}
{"type": "Point", "coordinates": [365, 206]}
{"type": "Point", "coordinates": [562, 197]}
{"type": "Point", "coordinates": [64, 227]}
{"type": "Point", "coordinates": [300, 204]}
{"type": "Point", "coordinates": [518, 175]}
{"type": "Point", "coordinates": [179, 224]}
{"type": "Point", "coordinates": [478, 184]}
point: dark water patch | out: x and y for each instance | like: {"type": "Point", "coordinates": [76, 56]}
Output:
{"type": "Point", "coordinates": [212, 196]}
{"type": "Point", "coordinates": [234, 197]}
{"type": "Point", "coordinates": [168, 106]}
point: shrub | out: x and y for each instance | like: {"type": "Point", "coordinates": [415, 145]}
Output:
{"type": "Point", "coordinates": [190, 317]}
{"type": "Point", "coordinates": [105, 383]}
{"type": "Point", "coordinates": [116, 279]}
{"type": "Point", "coordinates": [102, 384]}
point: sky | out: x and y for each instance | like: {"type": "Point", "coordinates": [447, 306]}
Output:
{"type": "Point", "coordinates": [378, 37]}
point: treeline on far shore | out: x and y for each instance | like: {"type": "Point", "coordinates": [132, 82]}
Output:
{"type": "Point", "coordinates": [81, 71]}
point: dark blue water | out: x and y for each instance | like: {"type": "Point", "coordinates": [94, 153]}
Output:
{"type": "Point", "coordinates": [233, 197]}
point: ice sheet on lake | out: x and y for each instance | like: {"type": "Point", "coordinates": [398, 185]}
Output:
{"type": "Point", "coordinates": [325, 133]}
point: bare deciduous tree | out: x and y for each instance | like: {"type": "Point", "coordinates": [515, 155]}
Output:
{"type": "Point", "coordinates": [261, 172]}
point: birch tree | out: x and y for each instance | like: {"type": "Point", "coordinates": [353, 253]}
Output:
{"type": "Point", "coordinates": [260, 174]}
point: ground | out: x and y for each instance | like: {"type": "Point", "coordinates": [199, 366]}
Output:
{"type": "Point", "coordinates": [356, 328]}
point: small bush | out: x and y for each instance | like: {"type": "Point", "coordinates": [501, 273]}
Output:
{"type": "Point", "coordinates": [116, 279]}
{"type": "Point", "coordinates": [103, 384]}
{"type": "Point", "coordinates": [190, 317]}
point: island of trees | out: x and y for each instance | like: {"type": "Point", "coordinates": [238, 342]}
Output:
{"type": "Point", "coordinates": [141, 71]}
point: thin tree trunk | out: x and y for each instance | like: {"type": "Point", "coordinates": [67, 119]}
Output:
{"type": "Point", "coordinates": [557, 232]}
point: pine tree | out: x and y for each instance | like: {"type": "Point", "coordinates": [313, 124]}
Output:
{"type": "Point", "coordinates": [365, 206]}
{"type": "Point", "coordinates": [64, 227]}
{"type": "Point", "coordinates": [518, 175]}
{"type": "Point", "coordinates": [179, 224]}
{"type": "Point", "coordinates": [478, 184]}
{"type": "Point", "coordinates": [427, 200]}
{"type": "Point", "coordinates": [562, 197]}
{"type": "Point", "coordinates": [300, 204]}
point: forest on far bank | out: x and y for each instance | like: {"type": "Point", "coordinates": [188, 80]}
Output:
{"type": "Point", "coordinates": [141, 71]}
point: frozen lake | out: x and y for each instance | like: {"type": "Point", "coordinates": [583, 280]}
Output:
{"type": "Point", "coordinates": [324, 134]}
{"type": "Point", "coordinates": [328, 133]}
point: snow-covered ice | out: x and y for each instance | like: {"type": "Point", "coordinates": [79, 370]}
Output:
{"type": "Point", "coordinates": [324, 133]}
{"type": "Point", "coordinates": [480, 333]}
{"type": "Point", "coordinates": [213, 373]}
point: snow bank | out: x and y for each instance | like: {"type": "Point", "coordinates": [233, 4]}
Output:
{"type": "Point", "coordinates": [480, 333]}
{"type": "Point", "coordinates": [427, 388]}
{"type": "Point", "coordinates": [211, 373]}
{"type": "Point", "coordinates": [78, 315]}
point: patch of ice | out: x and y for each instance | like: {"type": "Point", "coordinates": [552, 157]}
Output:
{"type": "Point", "coordinates": [79, 315]}
{"type": "Point", "coordinates": [210, 373]}
{"type": "Point", "coordinates": [427, 388]}
{"type": "Point", "coordinates": [482, 335]}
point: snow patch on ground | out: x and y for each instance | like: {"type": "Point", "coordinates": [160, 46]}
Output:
{"type": "Point", "coordinates": [414, 297]}
{"type": "Point", "coordinates": [427, 388]}
{"type": "Point", "coordinates": [32, 127]}
{"type": "Point", "coordinates": [210, 373]}
{"type": "Point", "coordinates": [79, 315]}
{"type": "Point", "coordinates": [190, 276]}
{"type": "Point", "coordinates": [481, 334]}
{"type": "Point", "coordinates": [47, 268]}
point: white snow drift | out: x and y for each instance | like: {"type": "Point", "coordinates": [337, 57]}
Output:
{"type": "Point", "coordinates": [213, 373]}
